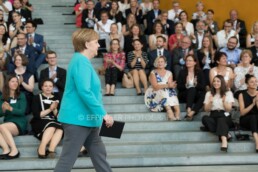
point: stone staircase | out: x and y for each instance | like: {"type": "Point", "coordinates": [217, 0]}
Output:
{"type": "Point", "coordinates": [148, 138]}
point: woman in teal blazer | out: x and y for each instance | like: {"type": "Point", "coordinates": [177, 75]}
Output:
{"type": "Point", "coordinates": [82, 110]}
{"type": "Point", "coordinates": [13, 105]}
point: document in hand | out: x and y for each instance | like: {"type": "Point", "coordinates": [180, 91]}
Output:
{"type": "Point", "coordinates": [115, 131]}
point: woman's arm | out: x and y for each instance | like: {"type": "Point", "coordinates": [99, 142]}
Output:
{"type": "Point", "coordinates": [30, 86]}
{"type": "Point", "coordinates": [248, 41]}
{"type": "Point", "coordinates": [155, 84]}
{"type": "Point", "coordinates": [243, 110]}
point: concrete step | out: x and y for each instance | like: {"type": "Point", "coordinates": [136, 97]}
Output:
{"type": "Point", "coordinates": [143, 161]}
{"type": "Point", "coordinates": [152, 147]}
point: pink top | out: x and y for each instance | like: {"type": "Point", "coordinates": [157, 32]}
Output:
{"type": "Point", "coordinates": [79, 17]}
{"type": "Point", "coordinates": [11, 1]}
{"type": "Point", "coordinates": [119, 59]}
{"type": "Point", "coordinates": [173, 40]}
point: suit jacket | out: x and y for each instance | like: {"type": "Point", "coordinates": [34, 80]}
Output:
{"type": "Point", "coordinates": [195, 45]}
{"type": "Point", "coordinates": [85, 16]}
{"type": "Point", "coordinates": [151, 20]}
{"type": "Point", "coordinates": [242, 33]}
{"type": "Point", "coordinates": [138, 17]}
{"type": "Point", "coordinates": [255, 56]}
{"type": "Point", "coordinates": [60, 74]}
{"type": "Point", "coordinates": [152, 55]}
{"type": "Point", "coordinates": [39, 41]}
{"type": "Point", "coordinates": [30, 53]}
{"type": "Point", "coordinates": [23, 13]}
{"type": "Point", "coordinates": [169, 27]}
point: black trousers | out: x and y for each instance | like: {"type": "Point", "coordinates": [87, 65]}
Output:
{"type": "Point", "coordinates": [193, 98]}
{"type": "Point", "coordinates": [218, 123]}
{"type": "Point", "coordinates": [250, 122]}
{"type": "Point", "coordinates": [113, 75]}
{"type": "Point", "coordinates": [206, 73]}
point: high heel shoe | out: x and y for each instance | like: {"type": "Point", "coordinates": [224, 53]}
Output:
{"type": "Point", "coordinates": [256, 150]}
{"type": "Point", "coordinates": [42, 156]}
{"type": "Point", "coordinates": [7, 157]}
{"type": "Point", "coordinates": [224, 149]}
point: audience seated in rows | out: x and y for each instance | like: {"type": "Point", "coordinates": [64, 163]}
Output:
{"type": "Point", "coordinates": [79, 8]}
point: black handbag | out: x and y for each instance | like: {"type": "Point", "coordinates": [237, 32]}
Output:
{"type": "Point", "coordinates": [38, 21]}
{"type": "Point", "coordinates": [240, 136]}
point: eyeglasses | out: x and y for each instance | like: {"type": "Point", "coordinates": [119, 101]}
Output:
{"type": "Point", "coordinates": [20, 38]}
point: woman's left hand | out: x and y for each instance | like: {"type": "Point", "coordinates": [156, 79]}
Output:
{"type": "Point", "coordinates": [109, 121]}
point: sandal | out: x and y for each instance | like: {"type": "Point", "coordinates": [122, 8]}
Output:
{"type": "Point", "coordinates": [188, 118]}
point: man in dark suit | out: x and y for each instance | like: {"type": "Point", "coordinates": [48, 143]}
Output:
{"type": "Point", "coordinates": [239, 27]}
{"type": "Point", "coordinates": [254, 51]}
{"type": "Point", "coordinates": [18, 8]}
{"type": "Point", "coordinates": [22, 48]}
{"type": "Point", "coordinates": [168, 25]}
{"type": "Point", "coordinates": [152, 16]}
{"type": "Point", "coordinates": [36, 41]}
{"type": "Point", "coordinates": [198, 35]}
{"type": "Point", "coordinates": [160, 51]}
{"type": "Point", "coordinates": [57, 74]}
{"type": "Point", "coordinates": [89, 16]}
{"type": "Point", "coordinates": [179, 54]}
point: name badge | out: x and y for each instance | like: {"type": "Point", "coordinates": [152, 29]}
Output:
{"type": "Point", "coordinates": [13, 101]}
{"type": "Point", "coordinates": [252, 40]}
{"type": "Point", "coordinates": [47, 101]}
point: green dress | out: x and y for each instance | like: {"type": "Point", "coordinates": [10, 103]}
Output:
{"type": "Point", "coordinates": [17, 116]}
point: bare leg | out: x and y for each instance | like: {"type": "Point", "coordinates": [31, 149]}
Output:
{"type": "Point", "coordinates": [112, 89]}
{"type": "Point", "coordinates": [8, 130]}
{"type": "Point", "coordinates": [136, 80]}
{"type": "Point", "coordinates": [224, 141]}
{"type": "Point", "coordinates": [47, 136]}
{"type": "Point", "coordinates": [4, 145]}
{"type": "Point", "coordinates": [107, 89]}
{"type": "Point", "coordinates": [143, 79]}
{"type": "Point", "coordinates": [170, 114]}
{"type": "Point", "coordinates": [55, 140]}
{"type": "Point", "coordinates": [177, 111]}
{"type": "Point", "coordinates": [256, 140]}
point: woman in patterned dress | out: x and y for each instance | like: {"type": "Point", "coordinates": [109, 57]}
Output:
{"type": "Point", "coordinates": [162, 95]}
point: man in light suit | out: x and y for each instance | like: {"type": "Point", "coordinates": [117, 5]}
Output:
{"type": "Point", "coordinates": [36, 41]}
{"type": "Point", "coordinates": [57, 74]}
{"type": "Point", "coordinates": [160, 51]}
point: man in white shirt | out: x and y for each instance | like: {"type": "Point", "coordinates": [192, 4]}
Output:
{"type": "Point", "coordinates": [6, 6]}
{"type": "Point", "coordinates": [102, 27]}
{"type": "Point", "coordinates": [223, 36]}
{"type": "Point", "coordinates": [173, 14]}
{"type": "Point", "coordinates": [198, 35]}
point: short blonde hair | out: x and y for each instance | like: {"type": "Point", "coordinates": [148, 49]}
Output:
{"type": "Point", "coordinates": [246, 51]}
{"type": "Point", "coordinates": [81, 36]}
{"type": "Point", "coordinates": [157, 59]}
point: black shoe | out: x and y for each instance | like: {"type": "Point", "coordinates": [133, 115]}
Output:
{"type": "Point", "coordinates": [3, 156]}
{"type": "Point", "coordinates": [224, 149]}
{"type": "Point", "coordinates": [139, 94]}
{"type": "Point", "coordinates": [42, 156]}
{"type": "Point", "coordinates": [256, 150]}
{"type": "Point", "coordinates": [188, 118]}
{"type": "Point", "coordinates": [50, 154]}
{"type": "Point", "coordinates": [8, 157]}
{"type": "Point", "coordinates": [202, 128]}
{"type": "Point", "coordinates": [106, 94]}
{"type": "Point", "coordinates": [83, 153]}
{"type": "Point", "coordinates": [111, 94]}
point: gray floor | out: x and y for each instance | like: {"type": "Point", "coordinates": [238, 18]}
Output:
{"type": "Point", "coordinates": [238, 168]}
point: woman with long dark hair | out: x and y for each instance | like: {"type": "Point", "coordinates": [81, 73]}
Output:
{"type": "Point", "coordinates": [13, 105]}
{"type": "Point", "coordinates": [191, 86]}
{"type": "Point", "coordinates": [248, 103]}
{"type": "Point", "coordinates": [219, 101]}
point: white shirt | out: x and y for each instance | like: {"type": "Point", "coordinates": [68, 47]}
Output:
{"type": "Point", "coordinates": [223, 39]}
{"type": "Point", "coordinates": [104, 32]}
{"type": "Point", "coordinates": [189, 28]}
{"type": "Point", "coordinates": [9, 6]}
{"type": "Point", "coordinates": [51, 73]}
{"type": "Point", "coordinates": [217, 100]}
{"type": "Point", "coordinates": [172, 14]}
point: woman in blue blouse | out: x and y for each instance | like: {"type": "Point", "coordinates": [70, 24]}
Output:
{"type": "Point", "coordinates": [82, 110]}
{"type": "Point", "coordinates": [13, 105]}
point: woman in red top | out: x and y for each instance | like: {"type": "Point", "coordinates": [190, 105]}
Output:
{"type": "Point", "coordinates": [78, 12]}
{"type": "Point", "coordinates": [114, 63]}
{"type": "Point", "coordinates": [175, 39]}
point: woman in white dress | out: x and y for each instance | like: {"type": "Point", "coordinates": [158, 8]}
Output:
{"type": "Point", "coordinates": [161, 95]}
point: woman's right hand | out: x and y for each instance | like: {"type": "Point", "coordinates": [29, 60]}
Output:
{"type": "Point", "coordinates": [109, 121]}
{"type": "Point", "coordinates": [54, 105]}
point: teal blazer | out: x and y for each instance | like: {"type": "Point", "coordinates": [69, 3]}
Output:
{"type": "Point", "coordinates": [82, 100]}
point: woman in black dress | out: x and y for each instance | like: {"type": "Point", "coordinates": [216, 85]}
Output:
{"type": "Point", "coordinates": [248, 102]}
{"type": "Point", "coordinates": [44, 123]}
